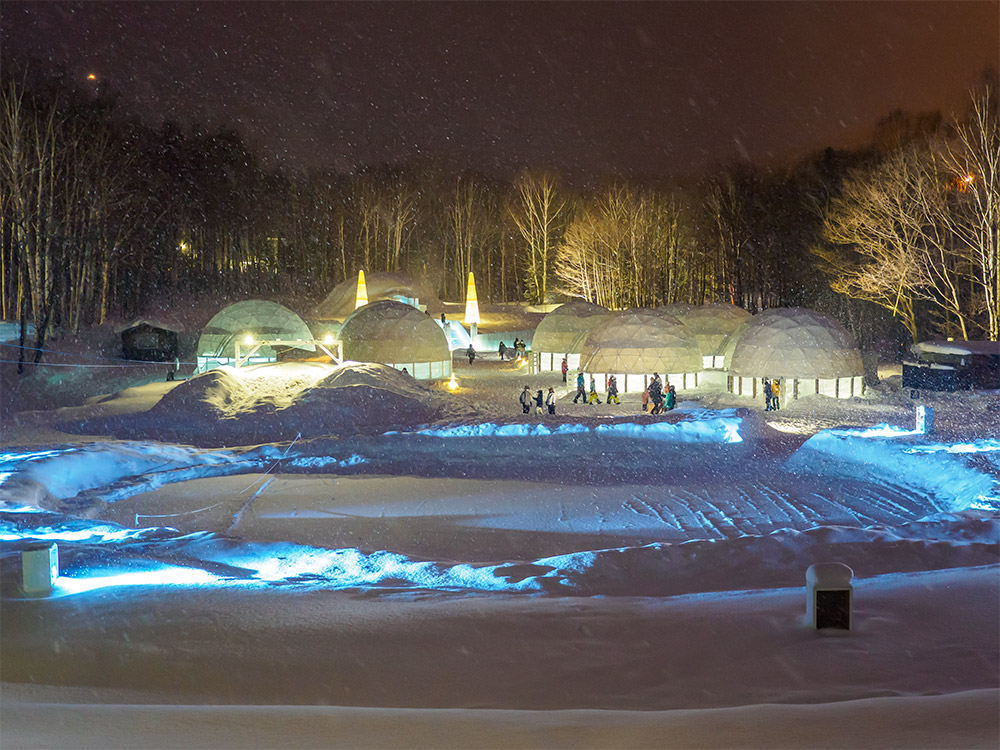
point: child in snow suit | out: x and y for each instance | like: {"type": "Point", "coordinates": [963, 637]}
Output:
{"type": "Point", "coordinates": [645, 399]}
{"type": "Point", "coordinates": [594, 398]}
{"type": "Point", "coordinates": [671, 398]}
{"type": "Point", "coordinates": [580, 392]}
{"type": "Point", "coordinates": [775, 401]}
{"type": "Point", "coordinates": [526, 400]}
{"type": "Point", "coordinates": [539, 402]}
{"type": "Point", "coordinates": [613, 389]}
{"type": "Point", "coordinates": [768, 395]}
{"type": "Point", "coordinates": [565, 369]}
{"type": "Point", "coordinates": [550, 401]}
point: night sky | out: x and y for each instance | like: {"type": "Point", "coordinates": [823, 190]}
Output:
{"type": "Point", "coordinates": [637, 89]}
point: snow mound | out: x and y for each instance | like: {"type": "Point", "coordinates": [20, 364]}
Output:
{"type": "Point", "coordinates": [283, 401]}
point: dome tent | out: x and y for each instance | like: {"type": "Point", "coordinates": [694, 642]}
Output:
{"type": "Point", "coordinates": [340, 302]}
{"type": "Point", "coordinates": [809, 351]}
{"type": "Point", "coordinates": [561, 333]}
{"type": "Point", "coordinates": [257, 318]}
{"type": "Point", "coordinates": [633, 344]}
{"type": "Point", "coordinates": [712, 324]}
{"type": "Point", "coordinates": [398, 335]}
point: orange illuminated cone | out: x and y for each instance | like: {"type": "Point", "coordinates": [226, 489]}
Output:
{"type": "Point", "coordinates": [471, 303]}
{"type": "Point", "coordinates": [362, 298]}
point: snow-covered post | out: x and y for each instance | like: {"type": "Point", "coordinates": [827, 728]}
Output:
{"type": "Point", "coordinates": [925, 419]}
{"type": "Point", "coordinates": [829, 596]}
{"type": "Point", "coordinates": [39, 568]}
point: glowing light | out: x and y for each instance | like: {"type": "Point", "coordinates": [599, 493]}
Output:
{"type": "Point", "coordinates": [172, 576]}
{"type": "Point", "coordinates": [362, 296]}
{"type": "Point", "coordinates": [91, 76]}
{"type": "Point", "coordinates": [248, 339]}
{"type": "Point", "coordinates": [452, 383]}
{"type": "Point", "coordinates": [471, 302]}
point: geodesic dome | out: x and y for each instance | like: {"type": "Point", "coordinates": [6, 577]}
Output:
{"type": "Point", "coordinates": [563, 331]}
{"type": "Point", "coordinates": [258, 318]}
{"type": "Point", "coordinates": [397, 334]}
{"type": "Point", "coordinates": [340, 302]}
{"type": "Point", "coordinates": [793, 342]}
{"type": "Point", "coordinates": [713, 323]}
{"type": "Point", "coordinates": [679, 310]}
{"type": "Point", "coordinates": [641, 342]}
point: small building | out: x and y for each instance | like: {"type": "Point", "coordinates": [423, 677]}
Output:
{"type": "Point", "coordinates": [149, 341]}
{"type": "Point", "coordinates": [634, 344]}
{"type": "Point", "coordinates": [561, 333]}
{"type": "Point", "coordinates": [809, 352]}
{"type": "Point", "coordinates": [399, 335]}
{"type": "Point", "coordinates": [953, 365]}
{"type": "Point", "coordinates": [244, 324]}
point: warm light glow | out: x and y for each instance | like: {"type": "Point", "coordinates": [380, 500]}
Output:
{"type": "Point", "coordinates": [248, 339]}
{"type": "Point", "coordinates": [362, 297]}
{"type": "Point", "coordinates": [91, 76]}
{"type": "Point", "coordinates": [471, 303]}
{"type": "Point", "coordinates": [453, 384]}
{"type": "Point", "coordinates": [328, 339]}
{"type": "Point", "coordinates": [968, 179]}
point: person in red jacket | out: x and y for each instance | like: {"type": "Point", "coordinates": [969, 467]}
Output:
{"type": "Point", "coordinates": [565, 369]}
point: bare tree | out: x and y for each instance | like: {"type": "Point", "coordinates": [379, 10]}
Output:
{"type": "Point", "coordinates": [540, 214]}
{"type": "Point", "coordinates": [972, 157]}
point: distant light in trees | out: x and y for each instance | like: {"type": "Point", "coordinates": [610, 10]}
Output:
{"type": "Point", "coordinates": [91, 76]}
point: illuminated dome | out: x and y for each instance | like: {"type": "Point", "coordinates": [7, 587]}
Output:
{"type": "Point", "coordinates": [712, 324]}
{"type": "Point", "coordinates": [257, 318]}
{"type": "Point", "coordinates": [399, 335]}
{"type": "Point", "coordinates": [564, 329]}
{"type": "Point", "coordinates": [795, 343]}
{"type": "Point", "coordinates": [641, 342]}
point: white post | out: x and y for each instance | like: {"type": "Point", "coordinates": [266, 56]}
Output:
{"type": "Point", "coordinates": [925, 419]}
{"type": "Point", "coordinates": [39, 568]}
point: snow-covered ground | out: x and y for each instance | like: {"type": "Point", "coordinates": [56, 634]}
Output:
{"type": "Point", "coordinates": [299, 555]}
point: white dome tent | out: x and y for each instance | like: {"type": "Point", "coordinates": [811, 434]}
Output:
{"type": "Point", "coordinates": [562, 332]}
{"type": "Point", "coordinates": [399, 335]}
{"type": "Point", "coordinates": [811, 353]}
{"type": "Point", "coordinates": [633, 344]}
{"type": "Point", "coordinates": [251, 320]}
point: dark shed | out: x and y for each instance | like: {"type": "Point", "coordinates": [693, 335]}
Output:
{"type": "Point", "coordinates": [150, 342]}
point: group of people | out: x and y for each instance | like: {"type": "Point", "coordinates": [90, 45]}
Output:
{"type": "Point", "coordinates": [593, 397]}
{"type": "Point", "coordinates": [661, 400]}
{"type": "Point", "coordinates": [518, 350]}
{"type": "Point", "coordinates": [539, 399]}
{"type": "Point", "coordinates": [772, 394]}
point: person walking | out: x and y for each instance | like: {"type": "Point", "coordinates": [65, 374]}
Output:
{"type": "Point", "coordinates": [775, 393]}
{"type": "Point", "coordinates": [656, 394]}
{"type": "Point", "coordinates": [768, 394]}
{"type": "Point", "coordinates": [471, 353]}
{"type": "Point", "coordinates": [550, 401]}
{"type": "Point", "coordinates": [539, 402]}
{"type": "Point", "coordinates": [502, 351]}
{"type": "Point", "coordinates": [593, 398]}
{"type": "Point", "coordinates": [613, 389]}
{"type": "Point", "coordinates": [565, 369]}
{"type": "Point", "coordinates": [580, 389]}
{"type": "Point", "coordinates": [526, 400]}
{"type": "Point", "coordinates": [671, 400]}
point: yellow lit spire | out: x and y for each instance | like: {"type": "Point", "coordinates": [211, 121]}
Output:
{"type": "Point", "coordinates": [471, 303]}
{"type": "Point", "coordinates": [362, 297]}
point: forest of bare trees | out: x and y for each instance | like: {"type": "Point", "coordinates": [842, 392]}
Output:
{"type": "Point", "coordinates": [101, 214]}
